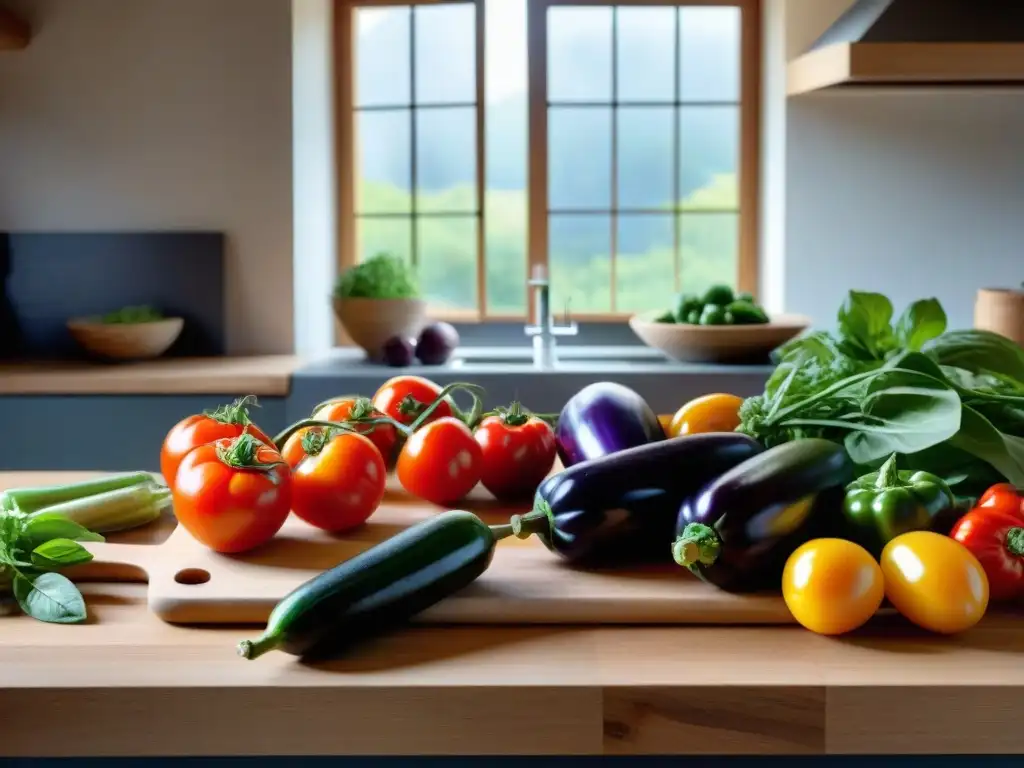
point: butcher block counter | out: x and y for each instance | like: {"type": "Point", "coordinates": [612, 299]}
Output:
{"type": "Point", "coordinates": [266, 375]}
{"type": "Point", "coordinates": [126, 683]}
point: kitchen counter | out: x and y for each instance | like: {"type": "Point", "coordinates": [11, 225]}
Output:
{"type": "Point", "coordinates": [128, 684]}
{"type": "Point", "coordinates": [268, 375]}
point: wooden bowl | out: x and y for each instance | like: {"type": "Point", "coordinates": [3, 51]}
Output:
{"type": "Point", "coordinates": [371, 322]}
{"type": "Point", "coordinates": [126, 341]}
{"type": "Point", "coordinates": [717, 343]}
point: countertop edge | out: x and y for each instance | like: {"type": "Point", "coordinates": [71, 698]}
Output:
{"type": "Point", "coordinates": [261, 375]}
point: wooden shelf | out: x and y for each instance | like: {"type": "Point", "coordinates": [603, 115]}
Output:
{"type": "Point", "coordinates": [14, 33]}
{"type": "Point", "coordinates": [848, 65]}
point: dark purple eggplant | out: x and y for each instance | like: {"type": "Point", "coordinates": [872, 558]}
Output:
{"type": "Point", "coordinates": [622, 508]}
{"type": "Point", "coordinates": [738, 532]}
{"type": "Point", "coordinates": [437, 343]}
{"type": "Point", "coordinates": [601, 419]}
{"type": "Point", "coordinates": [398, 351]}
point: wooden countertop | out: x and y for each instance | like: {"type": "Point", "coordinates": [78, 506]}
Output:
{"type": "Point", "coordinates": [127, 684]}
{"type": "Point", "coordinates": [267, 375]}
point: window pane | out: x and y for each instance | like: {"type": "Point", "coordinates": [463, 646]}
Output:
{"type": "Point", "coordinates": [709, 157]}
{"type": "Point", "coordinates": [709, 54]}
{"type": "Point", "coordinates": [446, 159]}
{"type": "Point", "coordinates": [506, 156]}
{"type": "Point", "coordinates": [382, 56]}
{"type": "Point", "coordinates": [644, 153]}
{"type": "Point", "coordinates": [384, 161]}
{"type": "Point", "coordinates": [446, 261]}
{"type": "Point", "coordinates": [645, 272]}
{"type": "Point", "coordinates": [579, 157]}
{"type": "Point", "coordinates": [580, 54]}
{"type": "Point", "coordinates": [385, 235]}
{"type": "Point", "coordinates": [445, 53]}
{"type": "Point", "coordinates": [579, 249]}
{"type": "Point", "coordinates": [646, 54]}
{"type": "Point", "coordinates": [709, 248]}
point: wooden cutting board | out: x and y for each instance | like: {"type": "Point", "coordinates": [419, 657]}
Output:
{"type": "Point", "coordinates": [189, 584]}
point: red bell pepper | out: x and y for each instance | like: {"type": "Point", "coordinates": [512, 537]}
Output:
{"type": "Point", "coordinates": [994, 531]}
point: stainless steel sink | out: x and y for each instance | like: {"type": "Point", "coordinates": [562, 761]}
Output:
{"type": "Point", "coordinates": [568, 356]}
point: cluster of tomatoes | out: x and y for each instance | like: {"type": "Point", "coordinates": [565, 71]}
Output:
{"type": "Point", "coordinates": [234, 486]}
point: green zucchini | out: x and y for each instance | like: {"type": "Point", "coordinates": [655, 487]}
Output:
{"type": "Point", "coordinates": [380, 588]}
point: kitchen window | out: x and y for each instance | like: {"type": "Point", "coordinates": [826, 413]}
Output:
{"type": "Point", "coordinates": [612, 147]}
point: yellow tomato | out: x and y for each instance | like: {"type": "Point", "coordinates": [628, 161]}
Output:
{"type": "Point", "coordinates": [935, 581]}
{"type": "Point", "coordinates": [710, 413]}
{"type": "Point", "coordinates": [832, 586]}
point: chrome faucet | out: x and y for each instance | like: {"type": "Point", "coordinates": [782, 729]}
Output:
{"type": "Point", "coordinates": [544, 330]}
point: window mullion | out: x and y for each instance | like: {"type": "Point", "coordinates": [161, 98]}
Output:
{"type": "Point", "coordinates": [613, 239]}
{"type": "Point", "coordinates": [537, 177]}
{"type": "Point", "coordinates": [413, 158]}
{"type": "Point", "coordinates": [481, 158]}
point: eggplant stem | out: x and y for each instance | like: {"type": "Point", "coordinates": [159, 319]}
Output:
{"type": "Point", "coordinates": [525, 526]}
{"type": "Point", "coordinates": [698, 544]}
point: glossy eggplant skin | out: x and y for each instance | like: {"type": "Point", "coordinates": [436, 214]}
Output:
{"type": "Point", "coordinates": [601, 419]}
{"type": "Point", "coordinates": [751, 518]}
{"type": "Point", "coordinates": [621, 509]}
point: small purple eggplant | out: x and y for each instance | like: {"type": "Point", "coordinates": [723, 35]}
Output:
{"type": "Point", "coordinates": [601, 419]}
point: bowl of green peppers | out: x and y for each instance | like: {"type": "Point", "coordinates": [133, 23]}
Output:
{"type": "Point", "coordinates": [718, 326]}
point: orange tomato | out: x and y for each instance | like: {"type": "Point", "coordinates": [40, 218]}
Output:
{"type": "Point", "coordinates": [710, 413]}
{"type": "Point", "coordinates": [340, 484]}
{"type": "Point", "coordinates": [202, 428]}
{"type": "Point", "coordinates": [233, 495]}
{"type": "Point", "coordinates": [935, 581]}
{"type": "Point", "coordinates": [832, 586]}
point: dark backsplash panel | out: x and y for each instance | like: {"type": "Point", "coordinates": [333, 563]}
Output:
{"type": "Point", "coordinates": [48, 278]}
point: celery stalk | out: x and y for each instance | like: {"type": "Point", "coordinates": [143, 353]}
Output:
{"type": "Point", "coordinates": [33, 499]}
{"type": "Point", "coordinates": [115, 510]}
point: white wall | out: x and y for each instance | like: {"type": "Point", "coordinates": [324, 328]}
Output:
{"type": "Point", "coordinates": [315, 201]}
{"type": "Point", "coordinates": [909, 194]}
{"type": "Point", "coordinates": [160, 114]}
{"type": "Point", "coordinates": [912, 193]}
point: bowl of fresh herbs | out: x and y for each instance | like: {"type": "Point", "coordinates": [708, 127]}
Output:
{"type": "Point", "coordinates": [378, 300]}
{"type": "Point", "coordinates": [129, 333]}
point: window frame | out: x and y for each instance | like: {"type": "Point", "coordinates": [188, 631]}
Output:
{"type": "Point", "coordinates": [346, 156]}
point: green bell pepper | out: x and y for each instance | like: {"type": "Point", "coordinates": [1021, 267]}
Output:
{"type": "Point", "coordinates": [686, 304]}
{"type": "Point", "coordinates": [882, 505]}
{"type": "Point", "coordinates": [745, 313]}
{"type": "Point", "coordinates": [719, 294]}
{"type": "Point", "coordinates": [713, 314]}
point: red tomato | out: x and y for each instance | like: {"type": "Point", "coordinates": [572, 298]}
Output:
{"type": "Point", "coordinates": [440, 463]}
{"type": "Point", "coordinates": [202, 428]}
{"type": "Point", "coordinates": [403, 398]}
{"type": "Point", "coordinates": [383, 436]}
{"type": "Point", "coordinates": [233, 494]}
{"type": "Point", "coordinates": [517, 453]}
{"type": "Point", "coordinates": [340, 483]}
{"type": "Point", "coordinates": [994, 533]}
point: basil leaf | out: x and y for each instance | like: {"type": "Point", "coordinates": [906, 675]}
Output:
{"type": "Point", "coordinates": [978, 351]}
{"type": "Point", "coordinates": [50, 597]}
{"type": "Point", "coordinates": [920, 322]}
{"type": "Point", "coordinates": [906, 411]}
{"type": "Point", "coordinates": [57, 553]}
{"type": "Point", "coordinates": [50, 525]}
{"type": "Point", "coordinates": [865, 322]}
{"type": "Point", "coordinates": [980, 438]}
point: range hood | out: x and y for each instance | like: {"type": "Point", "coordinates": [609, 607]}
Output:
{"type": "Point", "coordinates": [14, 33]}
{"type": "Point", "coordinates": [951, 43]}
